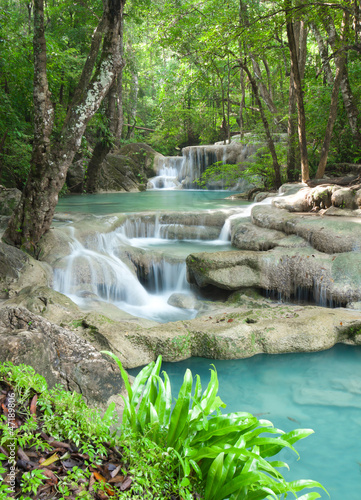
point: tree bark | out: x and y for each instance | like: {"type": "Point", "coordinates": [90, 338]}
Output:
{"type": "Point", "coordinates": [50, 162]}
{"type": "Point", "coordinates": [347, 95]}
{"type": "Point", "coordinates": [340, 67]}
{"type": "Point", "coordinates": [263, 91]}
{"type": "Point", "coordinates": [271, 146]}
{"type": "Point", "coordinates": [293, 152]}
{"type": "Point", "coordinates": [299, 93]}
{"type": "Point", "coordinates": [114, 114]}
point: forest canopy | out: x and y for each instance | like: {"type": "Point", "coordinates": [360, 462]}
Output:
{"type": "Point", "coordinates": [188, 72]}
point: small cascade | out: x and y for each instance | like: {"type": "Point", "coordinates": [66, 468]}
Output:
{"type": "Point", "coordinates": [164, 277]}
{"type": "Point", "coordinates": [88, 272]}
{"type": "Point", "coordinates": [138, 227]}
{"type": "Point", "coordinates": [94, 271]}
{"type": "Point", "coordinates": [225, 234]}
{"type": "Point", "coordinates": [196, 161]}
{"type": "Point", "coordinates": [168, 173]}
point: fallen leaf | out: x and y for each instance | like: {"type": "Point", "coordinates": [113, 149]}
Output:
{"type": "Point", "coordinates": [115, 471]}
{"type": "Point", "coordinates": [126, 484]}
{"type": "Point", "coordinates": [230, 320]}
{"type": "Point", "coordinates": [102, 479]}
{"type": "Point", "coordinates": [116, 479]}
{"type": "Point", "coordinates": [52, 479]}
{"type": "Point", "coordinates": [33, 405]}
{"type": "Point", "coordinates": [50, 460]}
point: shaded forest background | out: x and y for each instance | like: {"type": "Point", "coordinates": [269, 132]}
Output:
{"type": "Point", "coordinates": [195, 72]}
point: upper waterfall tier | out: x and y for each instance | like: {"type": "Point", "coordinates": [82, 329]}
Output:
{"type": "Point", "coordinates": [176, 172]}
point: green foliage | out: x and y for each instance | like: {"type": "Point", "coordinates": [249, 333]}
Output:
{"type": "Point", "coordinates": [32, 480]}
{"type": "Point", "coordinates": [225, 456]}
{"type": "Point", "coordinates": [256, 170]}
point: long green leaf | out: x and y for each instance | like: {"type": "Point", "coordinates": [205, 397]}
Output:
{"type": "Point", "coordinates": [122, 371]}
{"type": "Point", "coordinates": [300, 484]}
{"type": "Point", "coordinates": [291, 437]}
{"type": "Point", "coordinates": [310, 496]}
{"type": "Point", "coordinates": [213, 477]}
{"type": "Point", "coordinates": [179, 417]}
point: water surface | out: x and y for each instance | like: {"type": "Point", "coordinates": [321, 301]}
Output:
{"type": "Point", "coordinates": [321, 391]}
{"type": "Point", "coordinates": [108, 203]}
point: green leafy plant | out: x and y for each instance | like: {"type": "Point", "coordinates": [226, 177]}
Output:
{"type": "Point", "coordinates": [227, 454]}
{"type": "Point", "coordinates": [32, 480]}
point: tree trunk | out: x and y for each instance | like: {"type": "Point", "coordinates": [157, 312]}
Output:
{"type": "Point", "coordinates": [270, 142]}
{"type": "Point", "coordinates": [347, 95]}
{"type": "Point", "coordinates": [299, 93]}
{"type": "Point", "coordinates": [49, 164]}
{"type": "Point", "coordinates": [340, 67]}
{"type": "Point", "coordinates": [293, 152]}
{"type": "Point", "coordinates": [114, 115]}
{"type": "Point", "coordinates": [263, 91]}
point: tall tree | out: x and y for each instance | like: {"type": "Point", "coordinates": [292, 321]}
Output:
{"type": "Point", "coordinates": [297, 82]}
{"type": "Point", "coordinates": [52, 156]}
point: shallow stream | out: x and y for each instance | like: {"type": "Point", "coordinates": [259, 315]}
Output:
{"type": "Point", "coordinates": [321, 391]}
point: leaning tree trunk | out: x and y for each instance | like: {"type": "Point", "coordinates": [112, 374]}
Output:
{"type": "Point", "coordinates": [271, 146]}
{"type": "Point", "coordinates": [299, 93]}
{"type": "Point", "coordinates": [50, 162]}
{"type": "Point", "coordinates": [349, 100]}
{"type": "Point", "coordinates": [114, 114]}
{"type": "Point", "coordinates": [340, 68]}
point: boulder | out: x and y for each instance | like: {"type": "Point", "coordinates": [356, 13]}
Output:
{"type": "Point", "coordinates": [127, 169]}
{"type": "Point", "coordinates": [46, 302]}
{"type": "Point", "coordinates": [183, 301]}
{"type": "Point", "coordinates": [296, 202]}
{"type": "Point", "coordinates": [346, 198]}
{"type": "Point", "coordinates": [18, 269]}
{"type": "Point", "coordinates": [119, 173]}
{"type": "Point", "coordinates": [9, 199]}
{"type": "Point", "coordinates": [143, 156]}
{"type": "Point", "coordinates": [246, 236]}
{"type": "Point", "coordinates": [57, 354]}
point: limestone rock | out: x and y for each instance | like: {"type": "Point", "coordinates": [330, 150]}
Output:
{"type": "Point", "coordinates": [57, 354]}
{"type": "Point", "coordinates": [345, 198]}
{"type": "Point", "coordinates": [326, 234]}
{"type": "Point", "coordinates": [326, 278]}
{"type": "Point", "coordinates": [247, 236]}
{"type": "Point", "coordinates": [183, 301]}
{"type": "Point", "coordinates": [18, 269]}
{"type": "Point", "coordinates": [46, 302]}
{"type": "Point", "coordinates": [297, 202]}
{"type": "Point", "coordinates": [118, 173]}
{"type": "Point", "coordinates": [9, 199]}
{"type": "Point", "coordinates": [143, 156]}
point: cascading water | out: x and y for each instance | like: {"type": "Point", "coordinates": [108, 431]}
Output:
{"type": "Point", "coordinates": [225, 234]}
{"type": "Point", "coordinates": [96, 271]}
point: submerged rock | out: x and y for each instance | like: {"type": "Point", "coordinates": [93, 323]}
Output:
{"type": "Point", "coordinates": [183, 301]}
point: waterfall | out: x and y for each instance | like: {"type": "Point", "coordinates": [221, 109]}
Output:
{"type": "Point", "coordinates": [167, 173]}
{"type": "Point", "coordinates": [165, 277]}
{"type": "Point", "coordinates": [225, 234]}
{"type": "Point", "coordinates": [174, 172]}
{"type": "Point", "coordinates": [96, 271]}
